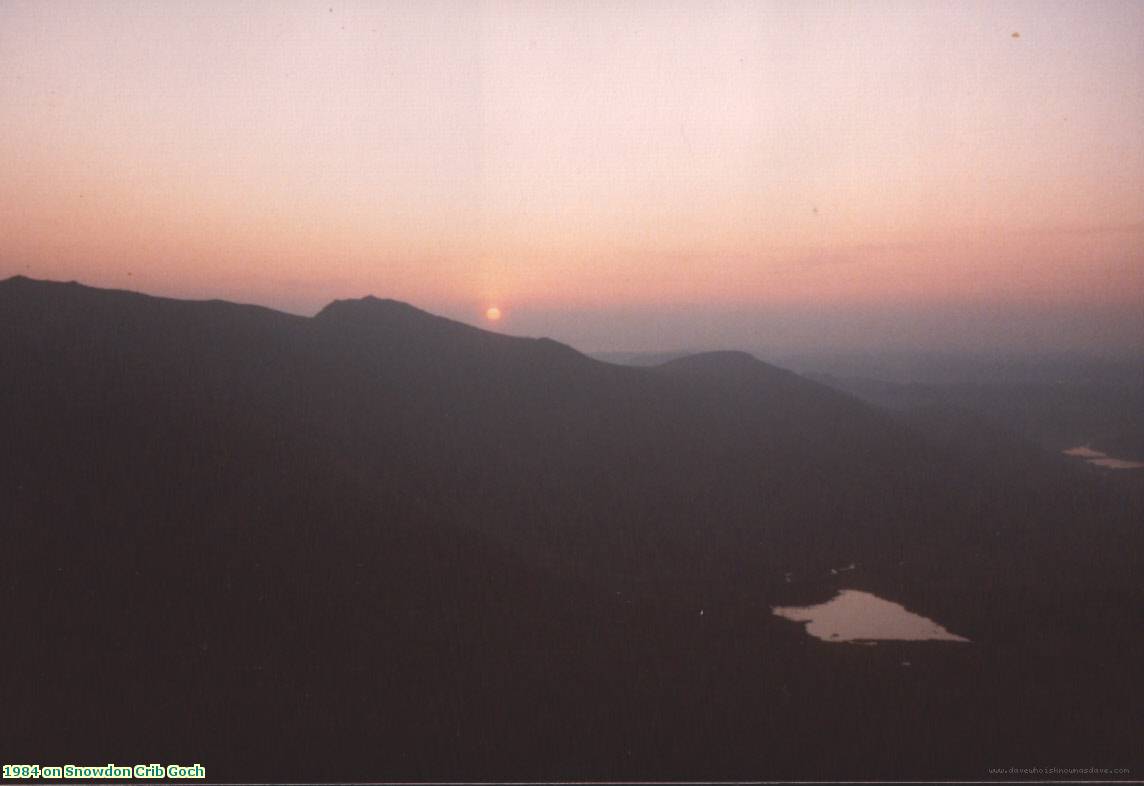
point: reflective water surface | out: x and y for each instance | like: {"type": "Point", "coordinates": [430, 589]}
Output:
{"type": "Point", "coordinates": [1102, 459]}
{"type": "Point", "coordinates": [860, 617]}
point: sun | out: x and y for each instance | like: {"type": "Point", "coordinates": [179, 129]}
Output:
{"type": "Point", "coordinates": [493, 314]}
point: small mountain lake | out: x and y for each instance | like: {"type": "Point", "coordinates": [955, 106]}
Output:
{"type": "Point", "coordinates": [1102, 459]}
{"type": "Point", "coordinates": [856, 616]}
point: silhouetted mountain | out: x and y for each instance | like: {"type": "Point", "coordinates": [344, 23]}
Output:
{"type": "Point", "coordinates": [1105, 411]}
{"type": "Point", "coordinates": [380, 544]}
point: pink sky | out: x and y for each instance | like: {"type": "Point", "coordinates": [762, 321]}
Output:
{"type": "Point", "coordinates": [635, 175]}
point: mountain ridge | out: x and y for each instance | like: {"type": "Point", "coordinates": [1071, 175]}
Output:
{"type": "Point", "coordinates": [327, 531]}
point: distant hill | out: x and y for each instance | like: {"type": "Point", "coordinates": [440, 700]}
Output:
{"type": "Point", "coordinates": [1107, 413]}
{"type": "Point", "coordinates": [380, 544]}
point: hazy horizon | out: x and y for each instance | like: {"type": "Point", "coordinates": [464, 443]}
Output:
{"type": "Point", "coordinates": [637, 178]}
{"type": "Point", "coordinates": [258, 528]}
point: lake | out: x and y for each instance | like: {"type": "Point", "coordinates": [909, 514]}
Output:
{"type": "Point", "coordinates": [1099, 459]}
{"type": "Point", "coordinates": [856, 616]}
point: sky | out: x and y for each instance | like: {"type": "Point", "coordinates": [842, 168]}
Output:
{"type": "Point", "coordinates": [634, 175]}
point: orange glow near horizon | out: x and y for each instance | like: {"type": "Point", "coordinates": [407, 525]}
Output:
{"type": "Point", "coordinates": [724, 157]}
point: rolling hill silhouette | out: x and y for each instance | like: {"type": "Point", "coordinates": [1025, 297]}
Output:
{"type": "Point", "coordinates": [377, 543]}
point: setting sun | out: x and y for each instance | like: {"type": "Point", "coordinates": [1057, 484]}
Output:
{"type": "Point", "coordinates": [820, 316]}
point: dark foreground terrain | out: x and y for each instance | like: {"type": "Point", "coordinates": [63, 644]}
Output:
{"type": "Point", "coordinates": [379, 545]}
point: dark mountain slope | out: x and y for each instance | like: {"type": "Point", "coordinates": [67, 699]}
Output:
{"type": "Point", "coordinates": [1059, 412]}
{"type": "Point", "coordinates": [377, 544]}
{"type": "Point", "coordinates": [710, 466]}
{"type": "Point", "coordinates": [196, 578]}
{"type": "Point", "coordinates": [625, 472]}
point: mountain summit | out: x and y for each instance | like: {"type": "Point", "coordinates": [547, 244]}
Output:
{"type": "Point", "coordinates": [267, 542]}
